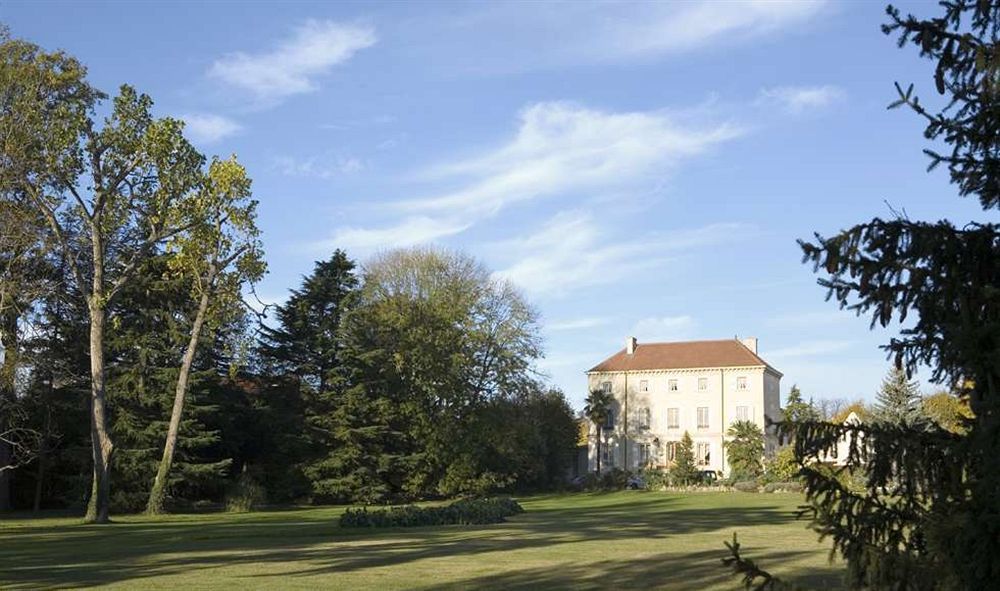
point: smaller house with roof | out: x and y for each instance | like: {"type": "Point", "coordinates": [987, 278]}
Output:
{"type": "Point", "coordinates": [661, 390]}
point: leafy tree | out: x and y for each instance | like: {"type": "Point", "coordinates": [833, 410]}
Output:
{"type": "Point", "coordinates": [898, 401]}
{"type": "Point", "coordinates": [684, 470]}
{"type": "Point", "coordinates": [745, 450]}
{"type": "Point", "coordinates": [433, 340]}
{"type": "Point", "coordinates": [797, 409]}
{"type": "Point", "coordinates": [596, 409]}
{"type": "Point", "coordinates": [949, 411]}
{"type": "Point", "coordinates": [927, 518]}
{"type": "Point", "coordinates": [219, 253]}
{"type": "Point", "coordinates": [120, 182]}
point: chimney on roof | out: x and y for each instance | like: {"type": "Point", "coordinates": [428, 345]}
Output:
{"type": "Point", "coordinates": [630, 344]}
{"type": "Point", "coordinates": [751, 343]}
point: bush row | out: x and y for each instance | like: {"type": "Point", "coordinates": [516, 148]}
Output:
{"type": "Point", "coordinates": [463, 512]}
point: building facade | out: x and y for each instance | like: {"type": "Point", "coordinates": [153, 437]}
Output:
{"type": "Point", "coordinates": [662, 390]}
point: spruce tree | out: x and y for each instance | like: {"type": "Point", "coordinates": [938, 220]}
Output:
{"type": "Point", "coordinates": [898, 401]}
{"type": "Point", "coordinates": [927, 516]}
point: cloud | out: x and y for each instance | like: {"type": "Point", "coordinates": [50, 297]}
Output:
{"type": "Point", "coordinates": [671, 28]}
{"type": "Point", "coordinates": [578, 324]}
{"type": "Point", "coordinates": [663, 328]}
{"type": "Point", "coordinates": [798, 99]}
{"type": "Point", "coordinates": [561, 147]}
{"type": "Point", "coordinates": [811, 348]}
{"type": "Point", "coordinates": [323, 167]}
{"type": "Point", "coordinates": [293, 66]}
{"type": "Point", "coordinates": [571, 251]}
{"type": "Point", "coordinates": [207, 128]}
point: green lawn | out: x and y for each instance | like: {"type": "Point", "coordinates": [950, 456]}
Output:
{"type": "Point", "coordinates": [619, 540]}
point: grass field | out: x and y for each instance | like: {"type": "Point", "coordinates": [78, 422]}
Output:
{"type": "Point", "coordinates": [582, 541]}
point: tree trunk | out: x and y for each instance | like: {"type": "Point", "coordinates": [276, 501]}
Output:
{"type": "Point", "coordinates": [598, 450]}
{"type": "Point", "coordinates": [159, 491]}
{"type": "Point", "coordinates": [99, 508]}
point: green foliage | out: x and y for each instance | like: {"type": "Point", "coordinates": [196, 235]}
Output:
{"type": "Point", "coordinates": [791, 486]}
{"type": "Point", "coordinates": [745, 450]}
{"type": "Point", "coordinates": [684, 470]}
{"type": "Point", "coordinates": [245, 495]}
{"type": "Point", "coordinates": [464, 512]}
{"type": "Point", "coordinates": [751, 486]}
{"type": "Point", "coordinates": [948, 411]}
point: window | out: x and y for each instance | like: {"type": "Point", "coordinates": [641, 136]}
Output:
{"type": "Point", "coordinates": [703, 417]}
{"type": "Point", "coordinates": [643, 454]}
{"type": "Point", "coordinates": [703, 454]}
{"type": "Point", "coordinates": [606, 386]}
{"type": "Point", "coordinates": [609, 421]}
{"type": "Point", "coordinates": [643, 418]}
{"type": "Point", "coordinates": [743, 413]}
{"type": "Point", "coordinates": [672, 385]}
{"type": "Point", "coordinates": [671, 451]}
{"type": "Point", "coordinates": [644, 385]}
{"type": "Point", "coordinates": [741, 383]}
{"type": "Point", "coordinates": [607, 457]}
{"type": "Point", "coordinates": [673, 418]}
{"type": "Point", "coordinates": [702, 384]}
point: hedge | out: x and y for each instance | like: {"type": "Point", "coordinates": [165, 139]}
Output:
{"type": "Point", "coordinates": [463, 512]}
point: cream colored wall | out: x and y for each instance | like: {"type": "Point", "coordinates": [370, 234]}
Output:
{"type": "Point", "coordinates": [721, 394]}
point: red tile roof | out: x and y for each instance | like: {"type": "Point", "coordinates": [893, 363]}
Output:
{"type": "Point", "coordinates": [683, 355]}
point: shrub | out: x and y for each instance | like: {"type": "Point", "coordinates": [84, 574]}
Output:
{"type": "Point", "coordinates": [791, 486]}
{"type": "Point", "coordinates": [245, 496]}
{"type": "Point", "coordinates": [746, 486]}
{"type": "Point", "coordinates": [462, 512]}
{"type": "Point", "coordinates": [781, 467]}
{"type": "Point", "coordinates": [656, 479]}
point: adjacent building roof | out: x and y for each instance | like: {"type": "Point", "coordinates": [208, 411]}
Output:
{"type": "Point", "coordinates": [683, 355]}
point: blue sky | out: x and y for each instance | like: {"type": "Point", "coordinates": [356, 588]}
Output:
{"type": "Point", "coordinates": [635, 168]}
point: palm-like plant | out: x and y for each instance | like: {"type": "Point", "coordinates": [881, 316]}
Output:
{"type": "Point", "coordinates": [597, 409]}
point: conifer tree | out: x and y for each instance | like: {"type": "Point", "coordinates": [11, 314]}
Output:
{"type": "Point", "coordinates": [745, 450]}
{"type": "Point", "coordinates": [898, 401]}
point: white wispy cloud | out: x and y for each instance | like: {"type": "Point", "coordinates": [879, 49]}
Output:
{"type": "Point", "coordinates": [561, 147]}
{"type": "Point", "coordinates": [662, 28]}
{"type": "Point", "coordinates": [663, 328]}
{"type": "Point", "coordinates": [571, 251]}
{"type": "Point", "coordinates": [208, 128]}
{"type": "Point", "coordinates": [323, 167]}
{"type": "Point", "coordinates": [295, 64]}
{"type": "Point", "coordinates": [798, 99]}
{"type": "Point", "coordinates": [811, 348]}
{"type": "Point", "coordinates": [578, 323]}
{"type": "Point", "coordinates": [558, 149]}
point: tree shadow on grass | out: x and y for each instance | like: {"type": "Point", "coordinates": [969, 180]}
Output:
{"type": "Point", "coordinates": [75, 556]}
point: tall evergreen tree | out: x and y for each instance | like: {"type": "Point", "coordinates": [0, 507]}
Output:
{"type": "Point", "coordinates": [898, 401]}
{"type": "Point", "coordinates": [307, 345]}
